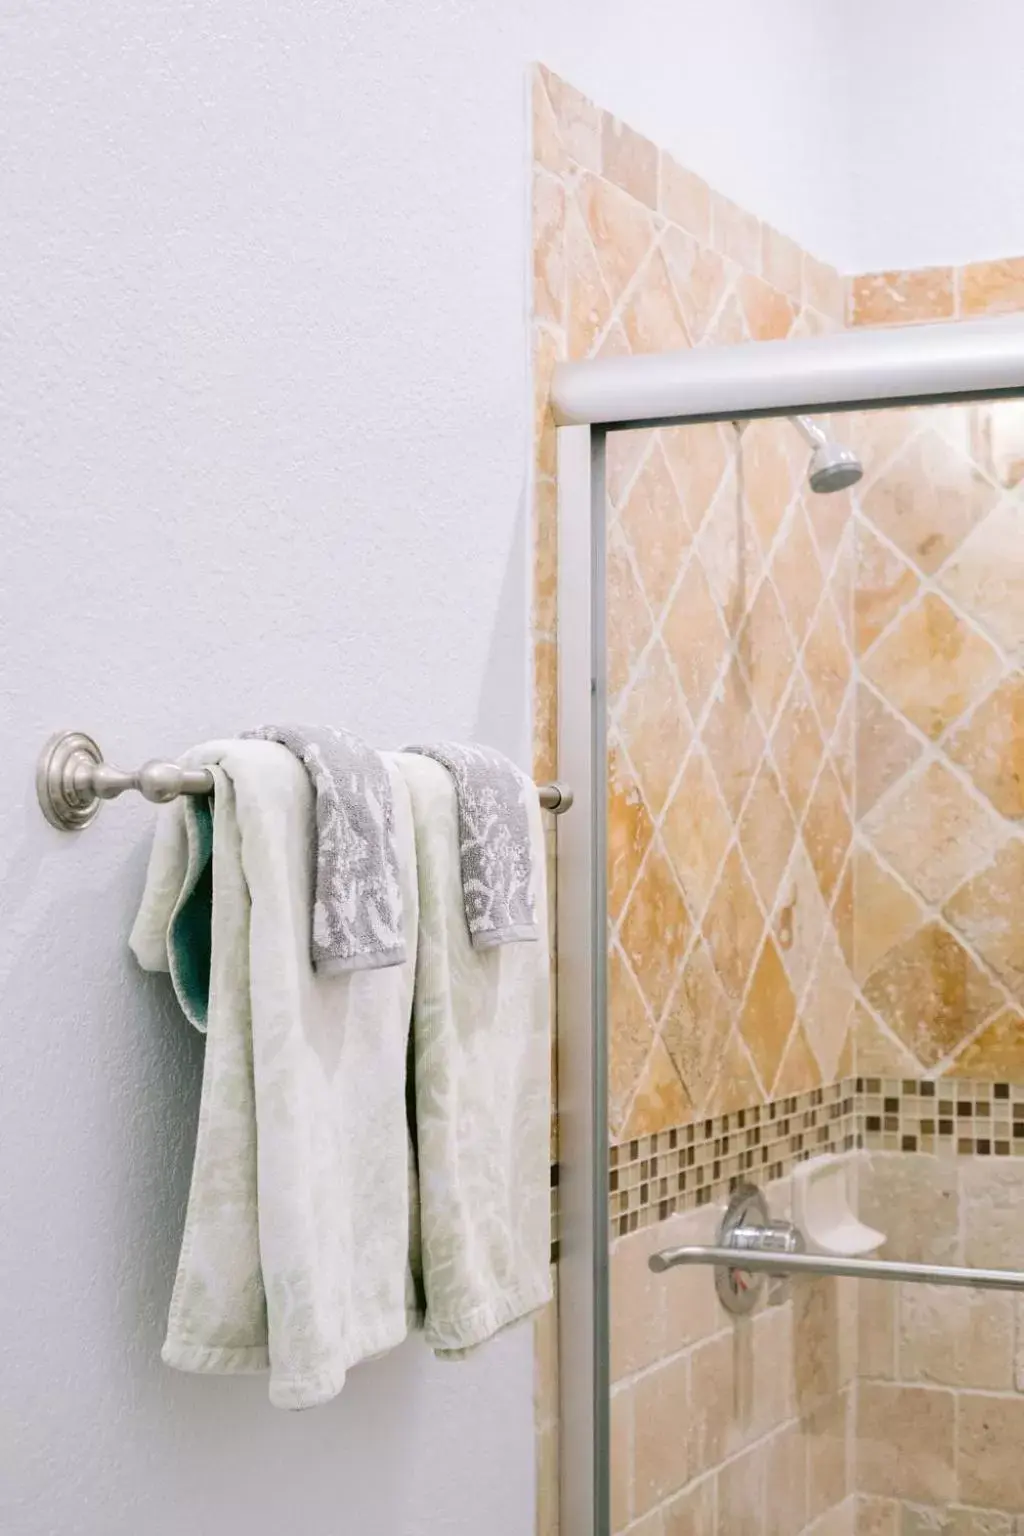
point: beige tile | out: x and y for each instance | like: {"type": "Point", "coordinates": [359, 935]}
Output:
{"type": "Point", "coordinates": [987, 911]}
{"type": "Point", "coordinates": [769, 314]}
{"type": "Point", "coordinates": [545, 710]}
{"type": "Point", "coordinates": [885, 749]}
{"type": "Point", "coordinates": [547, 1481]}
{"type": "Point", "coordinates": [877, 1517]}
{"type": "Point", "coordinates": [991, 746]}
{"type": "Point", "coordinates": [797, 746]}
{"type": "Point", "coordinates": [631, 1034]}
{"type": "Point", "coordinates": [545, 558]}
{"type": "Point", "coordinates": [990, 1431]}
{"type": "Point", "coordinates": [733, 739]}
{"type": "Point", "coordinates": [548, 348]}
{"type": "Point", "coordinates": [990, 1192]}
{"type": "Point", "coordinates": [831, 521]}
{"type": "Point", "coordinates": [986, 576]}
{"type": "Point", "coordinates": [800, 920]}
{"type": "Point", "coordinates": [628, 616]}
{"type": "Point", "coordinates": [766, 651]}
{"type": "Point", "coordinates": [661, 1450]}
{"type": "Point", "coordinates": [768, 1013]}
{"type": "Point", "coordinates": [629, 160]}
{"type": "Point", "coordinates": [827, 830]}
{"type": "Point", "coordinates": [630, 830]}
{"type": "Point", "coordinates": [900, 298]}
{"type": "Point", "coordinates": [545, 1363]}
{"type": "Point", "coordinates": [956, 1338]}
{"type": "Point", "coordinates": [928, 499]}
{"type": "Point", "coordinates": [699, 458]}
{"type": "Point", "coordinates": [824, 290]}
{"type": "Point", "coordinates": [843, 912]}
{"type": "Point", "coordinates": [885, 912]}
{"type": "Point", "coordinates": [696, 831]}
{"type": "Point", "coordinates": [693, 1512]}
{"type": "Point", "coordinates": [932, 665]}
{"type": "Point", "coordinates": [876, 1330]}
{"type": "Point", "coordinates": [915, 1201]}
{"type": "Point", "coordinates": [653, 317]}
{"type": "Point", "coordinates": [767, 833]}
{"type": "Point", "coordinates": [735, 233]}
{"type": "Point", "coordinates": [577, 119]}
{"type": "Point", "coordinates": [824, 1359]}
{"type": "Point", "coordinates": [589, 304]}
{"type": "Point", "coordinates": [549, 271]}
{"type": "Point", "coordinates": [710, 1419]}
{"type": "Point", "coordinates": [655, 527]}
{"type": "Point", "coordinates": [885, 584]}
{"type": "Point", "coordinates": [827, 1427]}
{"type": "Point", "coordinates": [933, 832]}
{"type": "Point", "coordinates": [768, 1390]}
{"type": "Point", "coordinates": [654, 930]}
{"type": "Point", "coordinates": [692, 1312]}
{"type": "Point", "coordinates": [736, 1085]}
{"type": "Point", "coordinates": [781, 262]}
{"type": "Point", "coordinates": [697, 1024]}
{"type": "Point", "coordinates": [786, 1482]}
{"type": "Point", "coordinates": [797, 574]}
{"type": "Point", "coordinates": [992, 287]}
{"type": "Point", "coordinates": [661, 1099]}
{"type": "Point", "coordinates": [947, 1520]}
{"type": "Point", "coordinates": [733, 926]}
{"type": "Point", "coordinates": [840, 1520]}
{"type": "Point", "coordinates": [905, 1442]}
{"type": "Point", "coordinates": [827, 664]}
{"type": "Point", "coordinates": [774, 462]}
{"type": "Point", "coordinates": [701, 279]}
{"type": "Point", "coordinates": [741, 1492]}
{"type": "Point", "coordinates": [997, 1054]}
{"type": "Point", "coordinates": [931, 993]}
{"type": "Point", "coordinates": [654, 727]}
{"type": "Point", "coordinates": [548, 149]}
{"type": "Point", "coordinates": [685, 199]}
{"type": "Point", "coordinates": [997, 440]}
{"type": "Point", "coordinates": [621, 1459]}
{"type": "Point", "coordinates": [799, 1071]}
{"type": "Point", "coordinates": [696, 636]}
{"type": "Point", "coordinates": [624, 453]}
{"type": "Point", "coordinates": [827, 1007]}
{"type": "Point", "coordinates": [650, 1525]}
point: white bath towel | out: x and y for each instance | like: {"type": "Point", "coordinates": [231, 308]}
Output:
{"type": "Point", "coordinates": [299, 1229]}
{"type": "Point", "coordinates": [482, 1073]}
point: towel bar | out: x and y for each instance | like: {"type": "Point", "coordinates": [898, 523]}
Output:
{"type": "Point", "coordinates": [72, 781]}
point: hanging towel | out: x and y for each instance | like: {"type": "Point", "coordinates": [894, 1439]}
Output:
{"type": "Point", "coordinates": [299, 1233]}
{"type": "Point", "coordinates": [494, 842]}
{"type": "Point", "coordinates": [357, 913]}
{"type": "Point", "coordinates": [482, 1081]}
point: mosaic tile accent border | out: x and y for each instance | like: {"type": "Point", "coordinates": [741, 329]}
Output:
{"type": "Point", "coordinates": [653, 1177]}
{"type": "Point", "coordinates": [960, 1116]}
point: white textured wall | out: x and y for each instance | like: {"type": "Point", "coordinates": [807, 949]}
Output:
{"type": "Point", "coordinates": [263, 448]}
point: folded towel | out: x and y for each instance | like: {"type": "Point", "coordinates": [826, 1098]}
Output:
{"type": "Point", "coordinates": [357, 915]}
{"type": "Point", "coordinates": [299, 1228]}
{"type": "Point", "coordinates": [482, 1078]}
{"type": "Point", "coordinates": [494, 842]}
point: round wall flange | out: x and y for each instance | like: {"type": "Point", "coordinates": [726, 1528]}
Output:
{"type": "Point", "coordinates": [64, 780]}
{"type": "Point", "coordinates": [738, 1289]}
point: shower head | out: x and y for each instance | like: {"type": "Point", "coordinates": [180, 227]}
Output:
{"type": "Point", "coordinates": [832, 467]}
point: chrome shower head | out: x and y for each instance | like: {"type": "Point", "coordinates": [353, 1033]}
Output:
{"type": "Point", "coordinates": [832, 467]}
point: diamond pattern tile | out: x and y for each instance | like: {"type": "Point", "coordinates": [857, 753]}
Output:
{"type": "Point", "coordinates": [696, 1024]}
{"type": "Point", "coordinates": [696, 831]}
{"type": "Point", "coordinates": [654, 727]}
{"type": "Point", "coordinates": [827, 664]}
{"type": "Point", "coordinates": [797, 574]}
{"type": "Point", "coordinates": [885, 912]}
{"type": "Point", "coordinates": [733, 926]}
{"type": "Point", "coordinates": [660, 1100]}
{"type": "Point", "coordinates": [990, 746]}
{"type": "Point", "coordinates": [773, 465]}
{"type": "Point", "coordinates": [653, 316]}
{"type": "Point", "coordinates": [987, 575]}
{"type": "Point", "coordinates": [828, 831]}
{"type": "Point", "coordinates": [885, 585]}
{"type": "Point", "coordinates": [628, 618]}
{"type": "Point", "coordinates": [620, 229]}
{"type": "Point", "coordinates": [799, 1070]}
{"type": "Point", "coordinates": [933, 832]}
{"type": "Point", "coordinates": [828, 1006]}
{"type": "Point", "coordinates": [995, 1053]}
{"type": "Point", "coordinates": [767, 833]}
{"type": "Point", "coordinates": [989, 911]}
{"type": "Point", "coordinates": [737, 1083]}
{"type": "Point", "coordinates": [654, 930]}
{"type": "Point", "coordinates": [800, 920]}
{"type": "Point", "coordinates": [630, 830]}
{"type": "Point", "coordinates": [655, 527]}
{"type": "Point", "coordinates": [931, 993]}
{"type": "Point", "coordinates": [768, 1013]}
{"type": "Point", "coordinates": [733, 739]}
{"type": "Point", "coordinates": [886, 749]}
{"type": "Point", "coordinates": [631, 1034]}
{"type": "Point", "coordinates": [589, 307]}
{"type": "Point", "coordinates": [696, 636]}
{"type": "Point", "coordinates": [928, 500]}
{"type": "Point", "coordinates": [797, 746]}
{"type": "Point", "coordinates": [699, 458]}
{"type": "Point", "coordinates": [766, 652]}
{"type": "Point", "coordinates": [932, 665]}
{"type": "Point", "coordinates": [699, 278]}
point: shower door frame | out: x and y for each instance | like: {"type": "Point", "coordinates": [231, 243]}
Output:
{"type": "Point", "coordinates": [902, 366]}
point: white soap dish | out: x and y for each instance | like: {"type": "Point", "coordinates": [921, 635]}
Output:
{"type": "Point", "coordinates": [824, 1214]}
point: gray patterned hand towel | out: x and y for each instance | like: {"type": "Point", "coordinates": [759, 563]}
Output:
{"type": "Point", "coordinates": [494, 842]}
{"type": "Point", "coordinates": [357, 907]}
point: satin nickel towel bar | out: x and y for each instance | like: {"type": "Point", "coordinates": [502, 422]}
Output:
{"type": "Point", "coordinates": [72, 781]}
{"type": "Point", "coordinates": [752, 1246]}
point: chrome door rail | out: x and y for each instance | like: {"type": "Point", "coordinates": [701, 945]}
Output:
{"type": "Point", "coordinates": [825, 1264]}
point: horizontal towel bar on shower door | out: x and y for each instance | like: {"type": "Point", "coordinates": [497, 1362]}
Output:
{"type": "Point", "coordinates": [825, 1264]}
